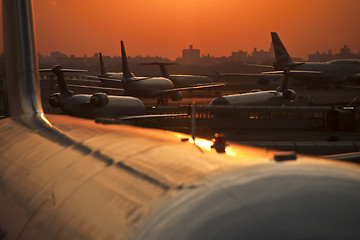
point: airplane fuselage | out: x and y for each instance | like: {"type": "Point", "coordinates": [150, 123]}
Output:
{"type": "Point", "coordinates": [147, 88]}
{"type": "Point", "coordinates": [79, 105]}
{"type": "Point", "coordinates": [332, 72]}
{"type": "Point", "coordinates": [189, 80]}
{"type": "Point", "coordinates": [113, 75]}
{"type": "Point", "coordinates": [263, 98]}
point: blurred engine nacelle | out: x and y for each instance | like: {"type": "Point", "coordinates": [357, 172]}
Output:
{"type": "Point", "coordinates": [176, 96]}
{"type": "Point", "coordinates": [99, 99]}
{"type": "Point", "coordinates": [289, 95]}
{"type": "Point", "coordinates": [54, 100]}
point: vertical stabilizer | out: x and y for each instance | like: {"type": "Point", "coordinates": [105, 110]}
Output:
{"type": "Point", "coordinates": [125, 66]}
{"type": "Point", "coordinates": [102, 67]}
{"type": "Point", "coordinates": [164, 73]}
{"type": "Point", "coordinates": [60, 78]}
{"type": "Point", "coordinates": [282, 56]}
{"type": "Point", "coordinates": [20, 58]}
{"type": "Point", "coordinates": [284, 82]}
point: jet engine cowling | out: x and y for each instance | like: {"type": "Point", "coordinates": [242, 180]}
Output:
{"type": "Point", "coordinates": [176, 96]}
{"type": "Point", "coordinates": [99, 100]}
{"type": "Point", "coordinates": [54, 100]}
{"type": "Point", "coordinates": [289, 95]}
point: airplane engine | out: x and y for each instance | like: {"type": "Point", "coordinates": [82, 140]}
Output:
{"type": "Point", "coordinates": [54, 100]}
{"type": "Point", "coordinates": [289, 95]}
{"type": "Point", "coordinates": [176, 96]}
{"type": "Point", "coordinates": [99, 99]}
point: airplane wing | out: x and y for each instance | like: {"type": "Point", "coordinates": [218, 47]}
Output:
{"type": "Point", "coordinates": [100, 78]}
{"type": "Point", "coordinates": [255, 75]}
{"type": "Point", "coordinates": [119, 91]}
{"type": "Point", "coordinates": [193, 88]}
{"type": "Point", "coordinates": [147, 116]}
{"type": "Point", "coordinates": [292, 72]}
{"type": "Point", "coordinates": [64, 70]}
{"type": "Point", "coordinates": [259, 65]}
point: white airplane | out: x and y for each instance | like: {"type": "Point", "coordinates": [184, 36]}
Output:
{"type": "Point", "coordinates": [98, 106]}
{"type": "Point", "coordinates": [263, 98]}
{"type": "Point", "coordinates": [332, 72]}
{"type": "Point", "coordinates": [109, 79]}
{"type": "Point", "coordinates": [68, 178]}
{"type": "Point", "coordinates": [182, 80]}
{"type": "Point", "coordinates": [311, 74]}
{"type": "Point", "coordinates": [145, 87]}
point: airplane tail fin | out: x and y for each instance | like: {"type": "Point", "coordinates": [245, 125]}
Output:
{"type": "Point", "coordinates": [125, 65]}
{"type": "Point", "coordinates": [58, 70]}
{"type": "Point", "coordinates": [284, 82]}
{"type": "Point", "coordinates": [102, 67]}
{"type": "Point", "coordinates": [283, 58]}
{"type": "Point", "coordinates": [22, 81]}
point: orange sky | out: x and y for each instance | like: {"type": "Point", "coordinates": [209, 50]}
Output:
{"type": "Point", "coordinates": [217, 27]}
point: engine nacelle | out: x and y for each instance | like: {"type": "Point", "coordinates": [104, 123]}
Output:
{"type": "Point", "coordinates": [54, 100]}
{"type": "Point", "coordinates": [176, 96]}
{"type": "Point", "coordinates": [99, 99]}
{"type": "Point", "coordinates": [289, 95]}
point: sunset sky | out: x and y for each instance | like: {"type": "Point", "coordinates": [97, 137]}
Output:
{"type": "Point", "coordinates": [217, 27]}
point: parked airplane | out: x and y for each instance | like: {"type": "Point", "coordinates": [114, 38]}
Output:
{"type": "Point", "coordinates": [145, 87]}
{"type": "Point", "coordinates": [69, 178]}
{"type": "Point", "coordinates": [265, 98]}
{"type": "Point", "coordinates": [312, 74]}
{"type": "Point", "coordinates": [182, 80]}
{"type": "Point", "coordinates": [332, 72]}
{"type": "Point", "coordinates": [98, 106]}
{"type": "Point", "coordinates": [91, 106]}
{"type": "Point", "coordinates": [150, 87]}
{"type": "Point", "coordinates": [109, 79]}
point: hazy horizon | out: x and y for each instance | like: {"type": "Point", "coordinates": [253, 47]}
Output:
{"type": "Point", "coordinates": [216, 27]}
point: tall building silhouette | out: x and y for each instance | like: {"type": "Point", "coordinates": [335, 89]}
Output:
{"type": "Point", "coordinates": [190, 56]}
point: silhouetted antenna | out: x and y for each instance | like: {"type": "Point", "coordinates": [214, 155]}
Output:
{"type": "Point", "coordinates": [102, 67]}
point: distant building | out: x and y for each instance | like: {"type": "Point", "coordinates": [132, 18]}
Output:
{"type": "Point", "coordinates": [345, 53]}
{"type": "Point", "coordinates": [190, 56]}
{"type": "Point", "coordinates": [239, 56]}
{"type": "Point", "coordinates": [259, 56]}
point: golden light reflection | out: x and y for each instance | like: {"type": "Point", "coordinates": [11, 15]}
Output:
{"type": "Point", "coordinates": [230, 151]}
{"type": "Point", "coordinates": [45, 120]}
{"type": "Point", "coordinates": [203, 143]}
{"type": "Point", "coordinates": [206, 144]}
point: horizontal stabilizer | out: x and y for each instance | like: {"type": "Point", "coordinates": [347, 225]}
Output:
{"type": "Point", "coordinates": [193, 88]}
{"type": "Point", "coordinates": [101, 78]}
{"type": "Point", "coordinates": [60, 69]}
